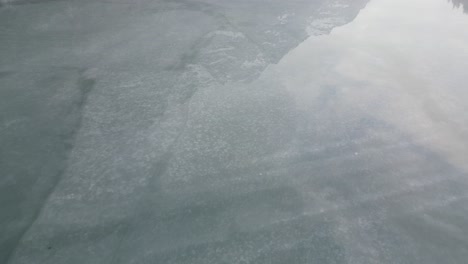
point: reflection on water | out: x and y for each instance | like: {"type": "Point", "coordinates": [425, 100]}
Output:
{"type": "Point", "coordinates": [388, 62]}
{"type": "Point", "coordinates": [458, 3]}
{"type": "Point", "coordinates": [390, 89]}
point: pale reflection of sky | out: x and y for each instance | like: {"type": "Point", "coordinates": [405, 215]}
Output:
{"type": "Point", "coordinates": [401, 61]}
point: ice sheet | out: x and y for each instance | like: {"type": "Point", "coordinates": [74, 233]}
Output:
{"type": "Point", "coordinates": [202, 131]}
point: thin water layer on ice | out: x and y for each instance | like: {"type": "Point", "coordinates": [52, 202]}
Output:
{"type": "Point", "coordinates": [199, 131]}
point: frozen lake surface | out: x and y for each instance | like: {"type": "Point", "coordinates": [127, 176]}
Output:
{"type": "Point", "coordinates": [234, 131]}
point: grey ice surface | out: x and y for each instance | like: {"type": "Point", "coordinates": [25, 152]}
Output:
{"type": "Point", "coordinates": [233, 131]}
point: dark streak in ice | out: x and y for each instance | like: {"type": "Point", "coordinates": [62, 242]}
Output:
{"type": "Point", "coordinates": [71, 122]}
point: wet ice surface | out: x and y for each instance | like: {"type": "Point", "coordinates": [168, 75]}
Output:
{"type": "Point", "coordinates": [324, 131]}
